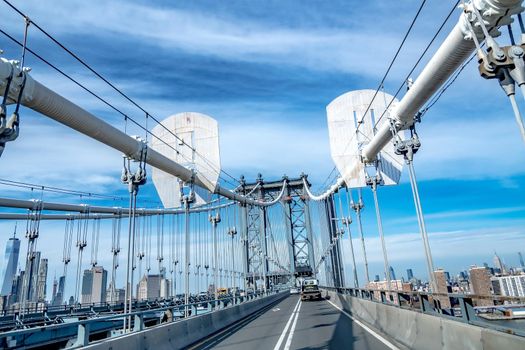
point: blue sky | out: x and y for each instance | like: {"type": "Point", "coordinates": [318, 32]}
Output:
{"type": "Point", "coordinates": [266, 71]}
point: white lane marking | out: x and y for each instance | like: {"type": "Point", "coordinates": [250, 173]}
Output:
{"type": "Point", "coordinates": [366, 328]}
{"type": "Point", "coordinates": [281, 338]}
{"type": "Point", "coordinates": [276, 309]}
{"type": "Point", "coordinates": [292, 330]}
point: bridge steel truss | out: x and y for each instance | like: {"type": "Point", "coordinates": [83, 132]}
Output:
{"type": "Point", "coordinates": [299, 226]}
{"type": "Point", "coordinates": [255, 231]}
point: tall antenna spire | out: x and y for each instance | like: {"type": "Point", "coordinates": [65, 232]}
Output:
{"type": "Point", "coordinates": [16, 225]}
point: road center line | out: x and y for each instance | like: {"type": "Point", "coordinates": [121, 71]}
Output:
{"type": "Point", "coordinates": [290, 335]}
{"type": "Point", "coordinates": [366, 328]}
{"type": "Point", "coordinates": [281, 338]}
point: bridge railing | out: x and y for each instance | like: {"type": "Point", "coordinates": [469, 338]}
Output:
{"type": "Point", "coordinates": [479, 310]}
{"type": "Point", "coordinates": [81, 332]}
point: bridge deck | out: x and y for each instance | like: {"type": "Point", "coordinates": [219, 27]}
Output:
{"type": "Point", "coordinates": [292, 324]}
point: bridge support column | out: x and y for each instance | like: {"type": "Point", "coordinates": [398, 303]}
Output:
{"type": "Point", "coordinates": [82, 336]}
{"type": "Point", "coordinates": [264, 254]}
{"type": "Point", "coordinates": [138, 323]}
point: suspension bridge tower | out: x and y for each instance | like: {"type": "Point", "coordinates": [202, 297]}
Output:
{"type": "Point", "coordinates": [296, 224]}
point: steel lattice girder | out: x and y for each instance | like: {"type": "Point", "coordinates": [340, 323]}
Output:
{"type": "Point", "coordinates": [297, 213]}
{"type": "Point", "coordinates": [297, 220]}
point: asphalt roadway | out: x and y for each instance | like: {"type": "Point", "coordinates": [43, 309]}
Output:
{"type": "Point", "coordinates": [292, 324]}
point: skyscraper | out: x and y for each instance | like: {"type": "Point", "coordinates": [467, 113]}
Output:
{"type": "Point", "coordinates": [115, 295]}
{"type": "Point", "coordinates": [153, 287]}
{"type": "Point", "coordinates": [16, 289]}
{"type": "Point", "coordinates": [392, 274]}
{"type": "Point", "coordinates": [94, 282]}
{"type": "Point", "coordinates": [12, 250]}
{"type": "Point", "coordinates": [499, 264]}
{"type": "Point", "coordinates": [410, 274]}
{"type": "Point", "coordinates": [522, 263]}
{"type": "Point", "coordinates": [59, 297]}
{"type": "Point", "coordinates": [41, 284]}
{"type": "Point", "coordinates": [29, 286]}
{"type": "Point", "coordinates": [87, 287]}
{"type": "Point", "coordinates": [55, 290]}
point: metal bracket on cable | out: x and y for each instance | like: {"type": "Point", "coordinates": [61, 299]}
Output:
{"type": "Point", "coordinates": [9, 129]}
{"type": "Point", "coordinates": [506, 64]}
{"type": "Point", "coordinates": [407, 148]}
{"type": "Point", "coordinates": [139, 177]}
{"type": "Point", "coordinates": [376, 180]}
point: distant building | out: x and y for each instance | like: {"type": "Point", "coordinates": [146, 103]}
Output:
{"type": "Point", "coordinates": [496, 286]}
{"type": "Point", "coordinates": [395, 285]}
{"type": "Point", "coordinates": [447, 276]}
{"type": "Point", "coordinates": [410, 274]}
{"type": "Point", "coordinates": [442, 286]}
{"type": "Point", "coordinates": [152, 287]}
{"type": "Point", "coordinates": [398, 285]}
{"type": "Point", "coordinates": [463, 275]}
{"type": "Point", "coordinates": [480, 284]}
{"type": "Point", "coordinates": [55, 290]}
{"type": "Point", "coordinates": [511, 286]}
{"type": "Point", "coordinates": [522, 263]}
{"type": "Point", "coordinates": [115, 296]}
{"type": "Point", "coordinates": [58, 299]}
{"type": "Point", "coordinates": [164, 288]}
{"type": "Point", "coordinates": [12, 251]}
{"type": "Point", "coordinates": [55, 287]}
{"type": "Point", "coordinates": [41, 284]}
{"type": "Point", "coordinates": [16, 290]}
{"type": "Point", "coordinates": [376, 278]}
{"type": "Point", "coordinates": [4, 304]}
{"type": "Point", "coordinates": [498, 264]}
{"type": "Point", "coordinates": [87, 287]}
{"type": "Point", "coordinates": [94, 282]}
{"type": "Point", "coordinates": [392, 273]}
{"type": "Point", "coordinates": [29, 288]}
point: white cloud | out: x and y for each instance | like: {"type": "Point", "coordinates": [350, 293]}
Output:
{"type": "Point", "coordinates": [277, 148]}
{"type": "Point", "coordinates": [50, 154]}
{"type": "Point", "coordinates": [446, 215]}
{"type": "Point", "coordinates": [450, 249]}
{"type": "Point", "coordinates": [276, 145]}
{"type": "Point", "coordinates": [469, 148]}
{"type": "Point", "coordinates": [324, 48]}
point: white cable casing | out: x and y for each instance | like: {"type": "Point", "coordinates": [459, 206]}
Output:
{"type": "Point", "coordinates": [339, 182]}
{"type": "Point", "coordinates": [47, 102]}
{"type": "Point", "coordinates": [454, 51]}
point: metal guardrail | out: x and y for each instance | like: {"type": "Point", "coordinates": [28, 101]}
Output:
{"type": "Point", "coordinates": [81, 332]}
{"type": "Point", "coordinates": [462, 307]}
{"type": "Point", "coordinates": [30, 316]}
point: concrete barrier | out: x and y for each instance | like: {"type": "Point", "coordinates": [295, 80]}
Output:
{"type": "Point", "coordinates": [421, 331]}
{"type": "Point", "coordinates": [182, 333]}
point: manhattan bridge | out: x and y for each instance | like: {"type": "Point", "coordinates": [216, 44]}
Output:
{"type": "Point", "coordinates": [224, 261]}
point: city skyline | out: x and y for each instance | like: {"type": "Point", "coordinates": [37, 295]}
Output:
{"type": "Point", "coordinates": [492, 261]}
